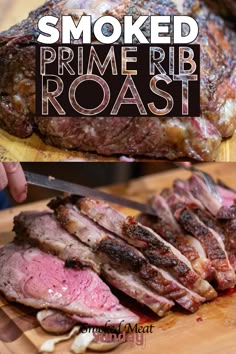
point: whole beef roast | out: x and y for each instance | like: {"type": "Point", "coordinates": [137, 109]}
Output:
{"type": "Point", "coordinates": [197, 137]}
{"type": "Point", "coordinates": [40, 280]}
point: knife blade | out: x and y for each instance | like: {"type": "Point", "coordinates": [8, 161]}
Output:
{"type": "Point", "coordinates": [83, 191]}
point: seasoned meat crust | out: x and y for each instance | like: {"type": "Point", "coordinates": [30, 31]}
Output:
{"type": "Point", "coordinates": [197, 137]}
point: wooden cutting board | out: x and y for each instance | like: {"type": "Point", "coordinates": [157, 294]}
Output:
{"type": "Point", "coordinates": [33, 149]}
{"type": "Point", "coordinates": [211, 330]}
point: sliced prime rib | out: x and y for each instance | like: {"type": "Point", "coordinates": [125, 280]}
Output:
{"type": "Point", "coordinates": [43, 231]}
{"type": "Point", "coordinates": [197, 138]}
{"type": "Point", "coordinates": [166, 226]}
{"type": "Point", "coordinates": [227, 213]}
{"type": "Point", "coordinates": [211, 241]}
{"type": "Point", "coordinates": [225, 229]}
{"type": "Point", "coordinates": [159, 252]}
{"type": "Point", "coordinates": [131, 285]}
{"type": "Point", "coordinates": [204, 193]}
{"type": "Point", "coordinates": [40, 280]}
{"type": "Point", "coordinates": [117, 252]}
{"type": "Point", "coordinates": [229, 228]}
{"type": "Point", "coordinates": [201, 207]}
{"type": "Point", "coordinates": [228, 208]}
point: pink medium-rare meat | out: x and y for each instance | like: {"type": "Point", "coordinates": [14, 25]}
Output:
{"type": "Point", "coordinates": [182, 189]}
{"type": "Point", "coordinates": [228, 195]}
{"type": "Point", "coordinates": [159, 252]}
{"type": "Point", "coordinates": [40, 280]}
{"type": "Point", "coordinates": [197, 138]}
{"type": "Point", "coordinates": [43, 230]}
{"type": "Point", "coordinates": [117, 252]}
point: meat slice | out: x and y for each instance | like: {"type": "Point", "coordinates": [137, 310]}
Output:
{"type": "Point", "coordinates": [117, 252]}
{"type": "Point", "coordinates": [183, 190]}
{"type": "Point", "coordinates": [229, 228]}
{"type": "Point", "coordinates": [203, 192]}
{"type": "Point", "coordinates": [212, 243]}
{"type": "Point", "coordinates": [166, 226]}
{"type": "Point", "coordinates": [228, 195]}
{"type": "Point", "coordinates": [30, 227]}
{"type": "Point", "coordinates": [132, 286]}
{"type": "Point", "coordinates": [190, 247]}
{"type": "Point", "coordinates": [216, 199]}
{"type": "Point", "coordinates": [226, 231]}
{"type": "Point", "coordinates": [227, 213]}
{"type": "Point", "coordinates": [159, 252]}
{"type": "Point", "coordinates": [201, 195]}
{"type": "Point", "coordinates": [40, 280]}
{"type": "Point", "coordinates": [43, 230]}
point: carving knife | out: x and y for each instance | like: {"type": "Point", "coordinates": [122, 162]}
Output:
{"type": "Point", "coordinates": [83, 191]}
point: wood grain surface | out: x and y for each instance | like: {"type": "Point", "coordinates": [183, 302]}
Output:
{"type": "Point", "coordinates": [33, 149]}
{"type": "Point", "coordinates": [211, 330]}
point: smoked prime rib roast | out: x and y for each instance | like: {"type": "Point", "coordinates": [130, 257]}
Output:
{"type": "Point", "coordinates": [63, 262]}
{"type": "Point", "coordinates": [197, 137]}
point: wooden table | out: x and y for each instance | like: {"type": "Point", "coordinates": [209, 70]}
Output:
{"type": "Point", "coordinates": [211, 330]}
{"type": "Point", "coordinates": [33, 149]}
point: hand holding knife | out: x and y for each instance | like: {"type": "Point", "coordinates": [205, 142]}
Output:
{"type": "Point", "coordinates": [72, 188]}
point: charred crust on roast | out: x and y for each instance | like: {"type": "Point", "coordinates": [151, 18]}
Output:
{"type": "Point", "coordinates": [226, 213]}
{"type": "Point", "coordinates": [56, 202]}
{"type": "Point", "coordinates": [64, 200]}
{"type": "Point", "coordinates": [62, 215]}
{"type": "Point", "coordinates": [188, 220]}
{"type": "Point", "coordinates": [121, 253]}
{"type": "Point", "coordinates": [136, 231]}
{"type": "Point", "coordinates": [167, 261]}
{"type": "Point", "coordinates": [73, 263]}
